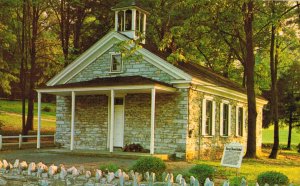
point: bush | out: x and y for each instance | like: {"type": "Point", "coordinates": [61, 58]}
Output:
{"type": "Point", "coordinates": [133, 148]}
{"type": "Point", "coordinates": [46, 109]}
{"type": "Point", "coordinates": [202, 172]}
{"type": "Point", "coordinates": [110, 167]}
{"type": "Point", "coordinates": [272, 178]}
{"type": "Point", "coordinates": [298, 147]}
{"type": "Point", "coordinates": [150, 164]}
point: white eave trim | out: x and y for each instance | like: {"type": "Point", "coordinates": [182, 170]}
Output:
{"type": "Point", "coordinates": [106, 88]}
{"type": "Point", "coordinates": [81, 58]}
{"type": "Point", "coordinates": [225, 92]}
{"type": "Point", "coordinates": [148, 56]}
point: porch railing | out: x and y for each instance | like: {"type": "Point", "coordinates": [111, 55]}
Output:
{"type": "Point", "coordinates": [20, 140]}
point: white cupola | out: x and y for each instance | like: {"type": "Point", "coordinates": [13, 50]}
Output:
{"type": "Point", "coordinates": [130, 19]}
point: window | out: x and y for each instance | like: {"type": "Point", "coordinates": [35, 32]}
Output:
{"type": "Point", "coordinates": [121, 21]}
{"type": "Point", "coordinates": [225, 115]}
{"type": "Point", "coordinates": [208, 123]}
{"type": "Point", "coordinates": [240, 120]}
{"type": "Point", "coordinates": [208, 117]}
{"type": "Point", "coordinates": [128, 20]}
{"type": "Point", "coordinates": [116, 63]}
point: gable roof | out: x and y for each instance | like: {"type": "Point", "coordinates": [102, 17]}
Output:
{"type": "Point", "coordinates": [101, 47]}
{"type": "Point", "coordinates": [110, 82]}
{"type": "Point", "coordinates": [209, 76]}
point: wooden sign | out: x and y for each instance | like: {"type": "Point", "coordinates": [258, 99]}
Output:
{"type": "Point", "coordinates": [233, 155]}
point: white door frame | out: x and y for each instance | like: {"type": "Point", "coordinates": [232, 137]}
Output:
{"type": "Point", "coordinates": [117, 95]}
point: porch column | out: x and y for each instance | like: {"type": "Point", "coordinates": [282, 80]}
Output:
{"type": "Point", "coordinates": [38, 144]}
{"type": "Point", "coordinates": [152, 120]}
{"type": "Point", "coordinates": [72, 120]}
{"type": "Point", "coordinates": [112, 120]}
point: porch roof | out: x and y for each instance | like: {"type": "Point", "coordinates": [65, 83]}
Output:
{"type": "Point", "coordinates": [126, 84]}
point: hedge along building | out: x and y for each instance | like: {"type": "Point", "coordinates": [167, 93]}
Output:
{"type": "Point", "coordinates": [105, 102]}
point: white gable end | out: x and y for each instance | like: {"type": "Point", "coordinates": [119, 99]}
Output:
{"type": "Point", "coordinates": [103, 46]}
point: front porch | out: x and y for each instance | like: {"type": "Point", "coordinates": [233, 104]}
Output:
{"type": "Point", "coordinates": [87, 116]}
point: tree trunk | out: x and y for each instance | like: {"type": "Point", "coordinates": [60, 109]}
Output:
{"type": "Point", "coordinates": [274, 91]}
{"type": "Point", "coordinates": [31, 94]}
{"type": "Point", "coordinates": [23, 70]}
{"type": "Point", "coordinates": [250, 62]}
{"type": "Point", "coordinates": [290, 130]}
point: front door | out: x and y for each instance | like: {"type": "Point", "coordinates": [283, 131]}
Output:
{"type": "Point", "coordinates": [119, 122]}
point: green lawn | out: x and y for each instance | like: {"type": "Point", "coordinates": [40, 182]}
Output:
{"type": "Point", "coordinates": [283, 135]}
{"type": "Point", "coordinates": [10, 115]}
{"type": "Point", "coordinates": [16, 107]}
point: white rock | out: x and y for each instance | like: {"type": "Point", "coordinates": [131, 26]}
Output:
{"type": "Point", "coordinates": [52, 170]}
{"type": "Point", "coordinates": [110, 177]}
{"type": "Point", "coordinates": [23, 165]}
{"type": "Point", "coordinates": [5, 164]}
{"type": "Point", "coordinates": [178, 178]}
{"type": "Point", "coordinates": [70, 170]}
{"type": "Point", "coordinates": [63, 173]}
{"type": "Point", "coordinates": [88, 174]}
{"type": "Point", "coordinates": [98, 175]}
{"type": "Point", "coordinates": [41, 167]}
{"type": "Point", "coordinates": [126, 176]}
{"type": "Point", "coordinates": [31, 168]}
{"type": "Point", "coordinates": [118, 173]}
{"type": "Point", "coordinates": [10, 166]}
{"type": "Point", "coordinates": [75, 172]}
{"type": "Point", "coordinates": [17, 163]}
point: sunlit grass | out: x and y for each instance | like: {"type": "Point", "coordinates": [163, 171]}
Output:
{"type": "Point", "coordinates": [283, 135]}
{"type": "Point", "coordinates": [16, 107]}
{"type": "Point", "coordinates": [13, 125]}
{"type": "Point", "coordinates": [251, 168]}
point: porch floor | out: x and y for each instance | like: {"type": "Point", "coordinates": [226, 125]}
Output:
{"type": "Point", "coordinates": [98, 153]}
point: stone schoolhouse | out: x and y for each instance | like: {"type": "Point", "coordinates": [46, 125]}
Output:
{"type": "Point", "coordinates": [105, 102]}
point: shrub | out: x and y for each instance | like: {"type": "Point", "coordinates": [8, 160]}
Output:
{"type": "Point", "coordinates": [150, 164]}
{"type": "Point", "coordinates": [272, 178]}
{"type": "Point", "coordinates": [202, 172]}
{"type": "Point", "coordinates": [110, 167]}
{"type": "Point", "coordinates": [46, 109]}
{"type": "Point", "coordinates": [133, 148]}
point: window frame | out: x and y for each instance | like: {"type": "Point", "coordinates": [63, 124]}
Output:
{"type": "Point", "coordinates": [237, 121]}
{"type": "Point", "coordinates": [111, 62]}
{"type": "Point", "coordinates": [222, 104]}
{"type": "Point", "coordinates": [204, 117]}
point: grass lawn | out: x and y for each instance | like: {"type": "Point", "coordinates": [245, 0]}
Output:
{"type": "Point", "coordinates": [10, 115]}
{"type": "Point", "coordinates": [287, 163]}
{"type": "Point", "coordinates": [283, 135]}
{"type": "Point", "coordinates": [16, 107]}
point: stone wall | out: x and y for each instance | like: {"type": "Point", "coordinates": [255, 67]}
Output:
{"type": "Point", "coordinates": [210, 147]}
{"type": "Point", "coordinates": [63, 121]}
{"type": "Point", "coordinates": [90, 122]}
{"type": "Point", "coordinates": [131, 67]}
{"type": "Point", "coordinates": [170, 121]}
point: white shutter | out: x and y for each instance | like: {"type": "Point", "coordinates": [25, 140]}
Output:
{"type": "Point", "coordinates": [203, 116]}
{"type": "Point", "coordinates": [229, 120]}
{"type": "Point", "coordinates": [221, 119]}
{"type": "Point", "coordinates": [213, 118]}
{"type": "Point", "coordinates": [236, 120]}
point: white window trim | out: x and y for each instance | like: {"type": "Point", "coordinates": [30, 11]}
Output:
{"type": "Point", "coordinates": [207, 98]}
{"type": "Point", "coordinates": [237, 121]}
{"type": "Point", "coordinates": [112, 54]}
{"type": "Point", "coordinates": [221, 118]}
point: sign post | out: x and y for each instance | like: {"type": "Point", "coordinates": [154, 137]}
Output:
{"type": "Point", "coordinates": [233, 156]}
